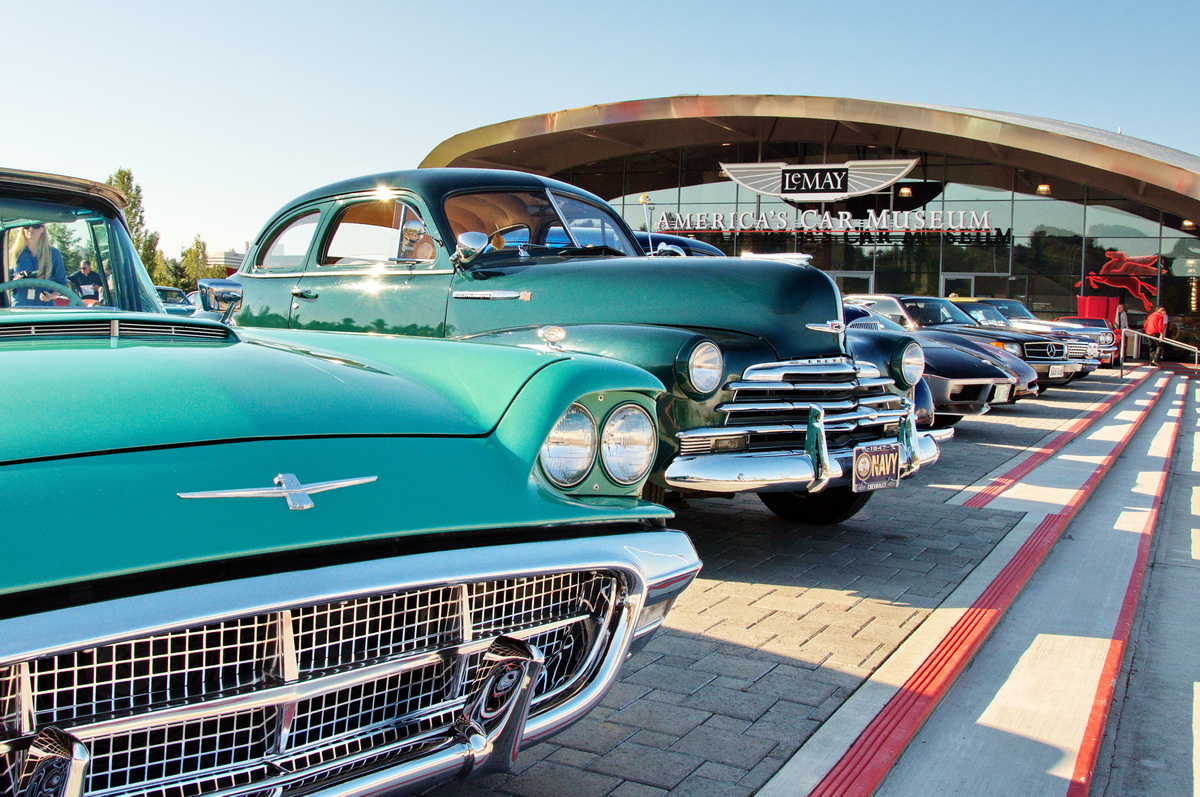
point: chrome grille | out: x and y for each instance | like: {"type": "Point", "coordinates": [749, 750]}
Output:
{"type": "Point", "coordinates": [335, 714]}
{"type": "Point", "coordinates": [1078, 351]}
{"type": "Point", "coordinates": [350, 685]}
{"type": "Point", "coordinates": [348, 632]}
{"type": "Point", "coordinates": [141, 673]}
{"type": "Point", "coordinates": [770, 405]}
{"type": "Point", "coordinates": [144, 329]}
{"type": "Point", "coordinates": [68, 329]}
{"type": "Point", "coordinates": [1045, 351]}
{"type": "Point", "coordinates": [115, 328]}
{"type": "Point", "coordinates": [184, 748]}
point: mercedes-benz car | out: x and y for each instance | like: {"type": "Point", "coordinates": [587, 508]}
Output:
{"type": "Point", "coordinates": [766, 392]}
{"type": "Point", "coordinates": [1045, 355]}
{"type": "Point", "coordinates": [1023, 319]}
{"type": "Point", "coordinates": [1078, 347]}
{"type": "Point", "coordinates": [347, 564]}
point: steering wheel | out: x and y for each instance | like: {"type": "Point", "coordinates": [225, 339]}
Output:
{"type": "Point", "coordinates": [46, 285]}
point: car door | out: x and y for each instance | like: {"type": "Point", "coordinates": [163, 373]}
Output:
{"type": "Point", "coordinates": [376, 269]}
{"type": "Point", "coordinates": [273, 269]}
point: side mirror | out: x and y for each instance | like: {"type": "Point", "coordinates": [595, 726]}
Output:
{"type": "Point", "coordinates": [220, 296]}
{"type": "Point", "coordinates": [470, 244]}
{"type": "Point", "coordinates": [672, 250]}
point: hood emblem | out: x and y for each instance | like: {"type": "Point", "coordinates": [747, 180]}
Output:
{"type": "Point", "coordinates": [833, 327]}
{"type": "Point", "coordinates": [286, 486]}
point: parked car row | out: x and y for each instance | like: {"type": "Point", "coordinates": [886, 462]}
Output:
{"type": "Point", "coordinates": [462, 536]}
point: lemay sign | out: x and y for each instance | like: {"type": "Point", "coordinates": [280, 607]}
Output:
{"type": "Point", "coordinates": [829, 182]}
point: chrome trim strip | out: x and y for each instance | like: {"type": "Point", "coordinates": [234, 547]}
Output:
{"type": "Point", "coordinates": [391, 271]}
{"type": "Point", "coordinates": [487, 295]}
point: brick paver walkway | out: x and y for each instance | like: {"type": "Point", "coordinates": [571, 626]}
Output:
{"type": "Point", "coordinates": [783, 624]}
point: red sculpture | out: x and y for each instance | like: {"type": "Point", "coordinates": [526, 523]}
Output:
{"type": "Point", "coordinates": [1120, 271]}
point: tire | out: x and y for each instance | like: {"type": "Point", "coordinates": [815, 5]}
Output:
{"type": "Point", "coordinates": [943, 421]}
{"type": "Point", "coordinates": [832, 505]}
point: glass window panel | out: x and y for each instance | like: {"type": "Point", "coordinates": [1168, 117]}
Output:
{"type": "Point", "coordinates": [1052, 218]}
{"type": "Point", "coordinates": [724, 191]}
{"type": "Point", "coordinates": [1047, 255]}
{"type": "Point", "coordinates": [1027, 185]}
{"type": "Point", "coordinates": [290, 245]}
{"type": "Point", "coordinates": [1121, 219]}
{"type": "Point", "coordinates": [381, 232]}
{"type": "Point", "coordinates": [962, 191]}
{"type": "Point", "coordinates": [982, 254]}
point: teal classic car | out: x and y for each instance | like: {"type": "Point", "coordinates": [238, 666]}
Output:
{"type": "Point", "coordinates": [321, 563]}
{"type": "Point", "coordinates": [764, 391]}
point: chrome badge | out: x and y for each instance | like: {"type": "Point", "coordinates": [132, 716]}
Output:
{"type": "Point", "coordinates": [833, 327]}
{"type": "Point", "coordinates": [286, 486]}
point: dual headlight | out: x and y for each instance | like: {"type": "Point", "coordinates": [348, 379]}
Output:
{"type": "Point", "coordinates": [626, 443]}
{"type": "Point", "coordinates": [1107, 338]}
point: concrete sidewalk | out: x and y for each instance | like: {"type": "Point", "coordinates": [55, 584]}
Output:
{"type": "Point", "coordinates": [1151, 744]}
{"type": "Point", "coordinates": [1017, 721]}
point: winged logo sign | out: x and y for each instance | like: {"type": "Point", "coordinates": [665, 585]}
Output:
{"type": "Point", "coordinates": [825, 182]}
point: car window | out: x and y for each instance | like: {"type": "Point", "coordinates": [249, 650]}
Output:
{"type": "Point", "coordinates": [1011, 308]}
{"type": "Point", "coordinates": [932, 312]}
{"type": "Point", "coordinates": [546, 225]}
{"type": "Point", "coordinates": [985, 314]}
{"type": "Point", "coordinates": [379, 232]}
{"type": "Point", "coordinates": [885, 306]}
{"type": "Point", "coordinates": [591, 226]}
{"type": "Point", "coordinates": [82, 249]}
{"type": "Point", "coordinates": [289, 245]}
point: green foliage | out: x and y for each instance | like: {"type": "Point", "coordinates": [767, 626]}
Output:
{"type": "Point", "coordinates": [122, 180]}
{"type": "Point", "coordinates": [66, 241]}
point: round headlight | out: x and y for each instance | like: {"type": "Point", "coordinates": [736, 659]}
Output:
{"type": "Point", "coordinates": [570, 448]}
{"type": "Point", "coordinates": [628, 443]}
{"type": "Point", "coordinates": [1106, 338]}
{"type": "Point", "coordinates": [912, 364]}
{"type": "Point", "coordinates": [705, 367]}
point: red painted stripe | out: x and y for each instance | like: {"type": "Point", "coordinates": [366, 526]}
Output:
{"type": "Point", "coordinates": [865, 764]}
{"type": "Point", "coordinates": [1040, 455]}
{"type": "Point", "coordinates": [1093, 735]}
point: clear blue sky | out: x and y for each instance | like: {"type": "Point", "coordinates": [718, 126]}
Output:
{"type": "Point", "coordinates": [226, 110]}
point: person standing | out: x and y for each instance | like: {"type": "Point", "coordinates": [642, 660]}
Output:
{"type": "Point", "coordinates": [30, 256]}
{"type": "Point", "coordinates": [1156, 326]}
{"type": "Point", "coordinates": [1121, 322]}
{"type": "Point", "coordinates": [87, 283]}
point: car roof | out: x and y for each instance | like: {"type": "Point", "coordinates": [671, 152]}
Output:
{"type": "Point", "coordinates": [62, 184]}
{"type": "Point", "coordinates": [436, 183]}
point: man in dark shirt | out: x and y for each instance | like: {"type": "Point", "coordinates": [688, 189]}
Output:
{"type": "Point", "coordinates": [86, 283]}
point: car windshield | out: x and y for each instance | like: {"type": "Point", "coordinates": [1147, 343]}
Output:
{"type": "Point", "coordinates": [858, 317]}
{"type": "Point", "coordinates": [68, 255]}
{"type": "Point", "coordinates": [1011, 308]}
{"type": "Point", "coordinates": [985, 314]}
{"type": "Point", "coordinates": [930, 312]}
{"type": "Point", "coordinates": [539, 223]}
{"type": "Point", "coordinates": [885, 306]}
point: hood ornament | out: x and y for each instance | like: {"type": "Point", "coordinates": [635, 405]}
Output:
{"type": "Point", "coordinates": [286, 486]}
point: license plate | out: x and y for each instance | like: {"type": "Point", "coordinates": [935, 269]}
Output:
{"type": "Point", "coordinates": [876, 467]}
{"type": "Point", "coordinates": [1003, 393]}
{"type": "Point", "coordinates": [1056, 371]}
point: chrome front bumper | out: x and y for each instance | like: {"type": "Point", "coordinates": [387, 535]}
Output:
{"type": "Point", "coordinates": [811, 469]}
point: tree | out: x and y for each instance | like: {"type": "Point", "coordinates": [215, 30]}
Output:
{"type": "Point", "coordinates": [194, 262]}
{"type": "Point", "coordinates": [66, 241]}
{"type": "Point", "coordinates": [122, 180]}
{"type": "Point", "coordinates": [149, 254]}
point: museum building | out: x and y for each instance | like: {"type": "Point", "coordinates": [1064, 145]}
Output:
{"type": "Point", "coordinates": [886, 197]}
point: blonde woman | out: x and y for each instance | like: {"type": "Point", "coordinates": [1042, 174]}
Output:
{"type": "Point", "coordinates": [30, 256]}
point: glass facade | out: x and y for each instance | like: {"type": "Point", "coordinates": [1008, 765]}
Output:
{"type": "Point", "coordinates": [1008, 232]}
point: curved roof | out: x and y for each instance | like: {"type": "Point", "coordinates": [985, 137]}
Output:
{"type": "Point", "coordinates": [60, 182]}
{"type": "Point", "coordinates": [555, 142]}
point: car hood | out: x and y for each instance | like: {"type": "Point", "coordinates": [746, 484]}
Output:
{"type": "Point", "coordinates": [951, 363]}
{"type": "Point", "coordinates": [73, 395]}
{"type": "Point", "coordinates": [773, 301]}
{"type": "Point", "coordinates": [992, 333]}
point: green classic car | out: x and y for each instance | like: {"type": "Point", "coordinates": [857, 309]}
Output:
{"type": "Point", "coordinates": [764, 392]}
{"type": "Point", "coordinates": [321, 563]}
